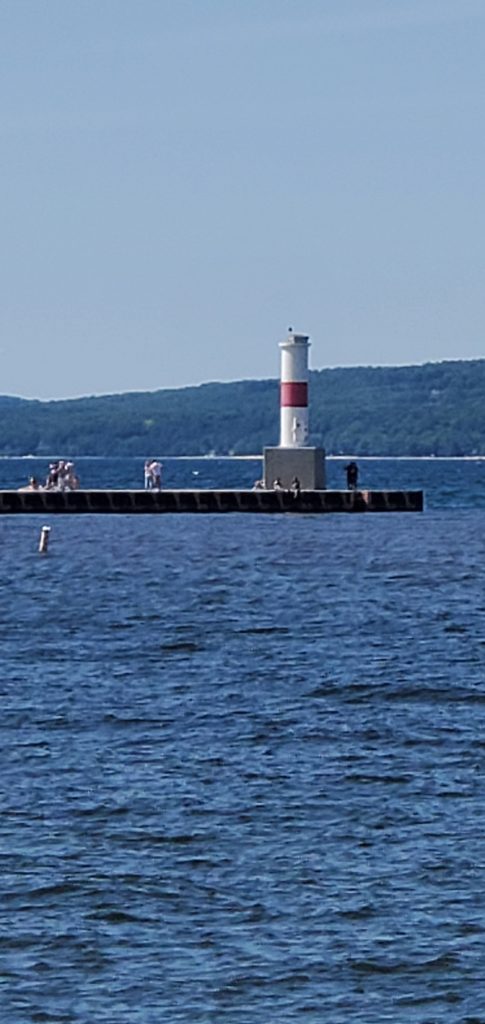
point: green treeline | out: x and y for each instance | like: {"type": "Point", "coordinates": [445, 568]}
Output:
{"type": "Point", "coordinates": [438, 408]}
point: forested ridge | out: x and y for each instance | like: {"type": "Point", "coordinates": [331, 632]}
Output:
{"type": "Point", "coordinates": [433, 409]}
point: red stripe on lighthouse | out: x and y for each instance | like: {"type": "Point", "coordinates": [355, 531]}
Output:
{"type": "Point", "coordinates": [294, 393]}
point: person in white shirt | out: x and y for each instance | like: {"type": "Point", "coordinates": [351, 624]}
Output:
{"type": "Point", "coordinates": [156, 474]}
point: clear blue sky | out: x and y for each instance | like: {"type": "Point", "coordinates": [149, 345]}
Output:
{"type": "Point", "coordinates": [184, 179]}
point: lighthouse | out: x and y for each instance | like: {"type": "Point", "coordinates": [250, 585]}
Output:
{"type": "Point", "coordinates": [294, 457]}
{"type": "Point", "coordinates": [294, 390]}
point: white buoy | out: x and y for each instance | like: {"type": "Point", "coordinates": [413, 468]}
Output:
{"type": "Point", "coordinates": [44, 540]}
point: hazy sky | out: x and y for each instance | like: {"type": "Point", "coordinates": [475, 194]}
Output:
{"type": "Point", "coordinates": [184, 179]}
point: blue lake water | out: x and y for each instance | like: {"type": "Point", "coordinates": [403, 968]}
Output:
{"type": "Point", "coordinates": [447, 482]}
{"type": "Point", "coordinates": [242, 758]}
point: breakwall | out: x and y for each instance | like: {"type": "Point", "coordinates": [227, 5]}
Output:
{"type": "Point", "coordinates": [160, 502]}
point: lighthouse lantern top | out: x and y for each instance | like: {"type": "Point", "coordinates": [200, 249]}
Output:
{"type": "Point", "coordinates": [294, 338]}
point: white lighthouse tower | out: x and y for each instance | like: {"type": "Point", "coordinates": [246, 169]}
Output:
{"type": "Point", "coordinates": [294, 458]}
{"type": "Point", "coordinates": [294, 391]}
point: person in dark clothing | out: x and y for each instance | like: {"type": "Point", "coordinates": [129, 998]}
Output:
{"type": "Point", "coordinates": [352, 471]}
{"type": "Point", "coordinates": [295, 487]}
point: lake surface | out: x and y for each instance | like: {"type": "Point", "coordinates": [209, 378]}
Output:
{"type": "Point", "coordinates": [458, 483]}
{"type": "Point", "coordinates": [242, 758]}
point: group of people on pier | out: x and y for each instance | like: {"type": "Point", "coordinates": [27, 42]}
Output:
{"type": "Point", "coordinates": [61, 476]}
{"type": "Point", "coordinates": [294, 488]}
{"type": "Point", "coordinates": [351, 472]}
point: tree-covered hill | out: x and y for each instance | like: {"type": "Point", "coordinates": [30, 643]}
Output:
{"type": "Point", "coordinates": [437, 408]}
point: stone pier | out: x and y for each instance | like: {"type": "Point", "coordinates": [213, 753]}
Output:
{"type": "Point", "coordinates": [123, 502]}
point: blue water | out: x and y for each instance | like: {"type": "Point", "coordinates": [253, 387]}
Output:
{"type": "Point", "coordinates": [448, 482]}
{"type": "Point", "coordinates": [242, 760]}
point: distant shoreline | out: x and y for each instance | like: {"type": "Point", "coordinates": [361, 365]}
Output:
{"type": "Point", "coordinates": [425, 412]}
{"type": "Point", "coordinates": [251, 458]}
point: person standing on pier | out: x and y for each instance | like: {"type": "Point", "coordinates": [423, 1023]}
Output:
{"type": "Point", "coordinates": [352, 471]}
{"type": "Point", "coordinates": [156, 474]}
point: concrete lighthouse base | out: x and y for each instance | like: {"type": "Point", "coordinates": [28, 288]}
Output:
{"type": "Point", "coordinates": [308, 464]}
